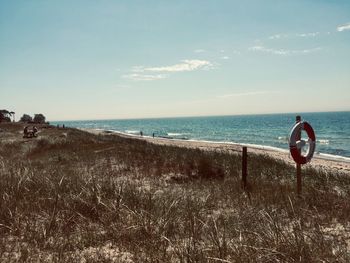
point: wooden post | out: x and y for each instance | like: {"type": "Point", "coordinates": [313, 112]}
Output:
{"type": "Point", "coordinates": [244, 167]}
{"type": "Point", "coordinates": [299, 183]}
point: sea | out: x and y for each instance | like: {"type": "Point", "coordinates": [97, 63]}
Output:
{"type": "Point", "coordinates": [332, 130]}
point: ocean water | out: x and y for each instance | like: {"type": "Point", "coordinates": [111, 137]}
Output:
{"type": "Point", "coordinates": [332, 129]}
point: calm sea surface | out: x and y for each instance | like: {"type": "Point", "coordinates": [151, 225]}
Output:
{"type": "Point", "coordinates": [332, 129]}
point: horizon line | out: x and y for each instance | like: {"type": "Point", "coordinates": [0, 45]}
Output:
{"type": "Point", "coordinates": [200, 116]}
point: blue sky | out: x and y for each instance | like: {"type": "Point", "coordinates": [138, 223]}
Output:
{"type": "Point", "coordinates": [136, 59]}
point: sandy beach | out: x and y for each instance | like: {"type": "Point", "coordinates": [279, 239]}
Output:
{"type": "Point", "coordinates": [318, 161]}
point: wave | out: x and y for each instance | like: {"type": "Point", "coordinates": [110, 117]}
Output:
{"type": "Point", "coordinates": [323, 141]}
{"type": "Point", "coordinates": [132, 132]}
{"type": "Point", "coordinates": [334, 157]}
{"type": "Point", "coordinates": [320, 141]}
{"type": "Point", "coordinates": [174, 134]}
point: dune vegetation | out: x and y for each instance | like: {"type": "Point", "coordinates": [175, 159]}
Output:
{"type": "Point", "coordinates": [72, 196]}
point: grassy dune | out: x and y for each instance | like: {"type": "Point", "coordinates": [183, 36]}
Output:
{"type": "Point", "coordinates": [71, 196]}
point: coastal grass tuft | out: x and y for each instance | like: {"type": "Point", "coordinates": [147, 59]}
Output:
{"type": "Point", "coordinates": [71, 196]}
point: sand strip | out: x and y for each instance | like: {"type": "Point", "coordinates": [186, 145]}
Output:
{"type": "Point", "coordinates": [317, 162]}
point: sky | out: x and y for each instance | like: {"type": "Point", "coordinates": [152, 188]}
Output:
{"type": "Point", "coordinates": [76, 60]}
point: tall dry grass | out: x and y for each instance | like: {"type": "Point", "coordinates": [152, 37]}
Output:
{"type": "Point", "coordinates": [78, 197]}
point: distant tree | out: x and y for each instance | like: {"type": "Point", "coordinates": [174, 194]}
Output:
{"type": "Point", "coordinates": [5, 116]}
{"type": "Point", "coordinates": [39, 118]}
{"type": "Point", "coordinates": [26, 118]}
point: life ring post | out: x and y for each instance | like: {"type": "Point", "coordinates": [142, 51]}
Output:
{"type": "Point", "coordinates": [296, 144]}
{"type": "Point", "coordinates": [298, 165]}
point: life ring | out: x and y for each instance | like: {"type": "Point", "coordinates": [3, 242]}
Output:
{"type": "Point", "coordinates": [295, 143]}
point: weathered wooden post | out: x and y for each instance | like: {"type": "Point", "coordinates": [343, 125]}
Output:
{"type": "Point", "coordinates": [244, 167]}
{"type": "Point", "coordinates": [298, 165]}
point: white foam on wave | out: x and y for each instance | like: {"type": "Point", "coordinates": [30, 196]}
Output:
{"type": "Point", "coordinates": [136, 134]}
{"type": "Point", "coordinates": [122, 133]}
{"type": "Point", "coordinates": [323, 141]}
{"type": "Point", "coordinates": [132, 132]}
{"type": "Point", "coordinates": [332, 157]}
{"type": "Point", "coordinates": [283, 138]}
{"type": "Point", "coordinates": [174, 134]}
{"type": "Point", "coordinates": [320, 141]}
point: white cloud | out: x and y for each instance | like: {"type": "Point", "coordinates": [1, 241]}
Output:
{"type": "Point", "coordinates": [305, 35]}
{"type": "Point", "coordinates": [343, 27]}
{"type": "Point", "coordinates": [225, 57]}
{"type": "Point", "coordinates": [199, 50]}
{"type": "Point", "coordinates": [312, 34]}
{"type": "Point", "coordinates": [278, 36]}
{"type": "Point", "coordinates": [269, 50]}
{"type": "Point", "coordinates": [283, 52]}
{"type": "Point", "coordinates": [186, 65]}
{"type": "Point", "coordinates": [306, 51]}
{"type": "Point", "coordinates": [154, 73]}
{"type": "Point", "coordinates": [250, 93]}
{"type": "Point", "coordinates": [144, 77]}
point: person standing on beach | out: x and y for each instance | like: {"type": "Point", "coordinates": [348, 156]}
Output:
{"type": "Point", "coordinates": [25, 132]}
{"type": "Point", "coordinates": [35, 130]}
{"type": "Point", "coordinates": [141, 133]}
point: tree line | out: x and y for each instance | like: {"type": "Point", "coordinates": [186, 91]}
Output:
{"type": "Point", "coordinates": [5, 116]}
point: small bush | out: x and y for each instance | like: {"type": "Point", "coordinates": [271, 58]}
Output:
{"type": "Point", "coordinates": [207, 169]}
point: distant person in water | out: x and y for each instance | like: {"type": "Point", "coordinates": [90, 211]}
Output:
{"type": "Point", "coordinates": [153, 135]}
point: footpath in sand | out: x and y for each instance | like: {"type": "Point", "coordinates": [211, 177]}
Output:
{"type": "Point", "coordinates": [317, 162]}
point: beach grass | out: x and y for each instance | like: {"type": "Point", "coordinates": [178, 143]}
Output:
{"type": "Point", "coordinates": [73, 196]}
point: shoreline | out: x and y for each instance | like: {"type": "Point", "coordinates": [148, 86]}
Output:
{"type": "Point", "coordinates": [340, 164]}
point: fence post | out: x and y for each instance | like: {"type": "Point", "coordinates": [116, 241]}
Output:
{"type": "Point", "coordinates": [244, 167]}
{"type": "Point", "coordinates": [299, 183]}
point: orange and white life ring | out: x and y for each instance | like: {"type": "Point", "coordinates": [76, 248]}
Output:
{"type": "Point", "coordinates": [296, 143]}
